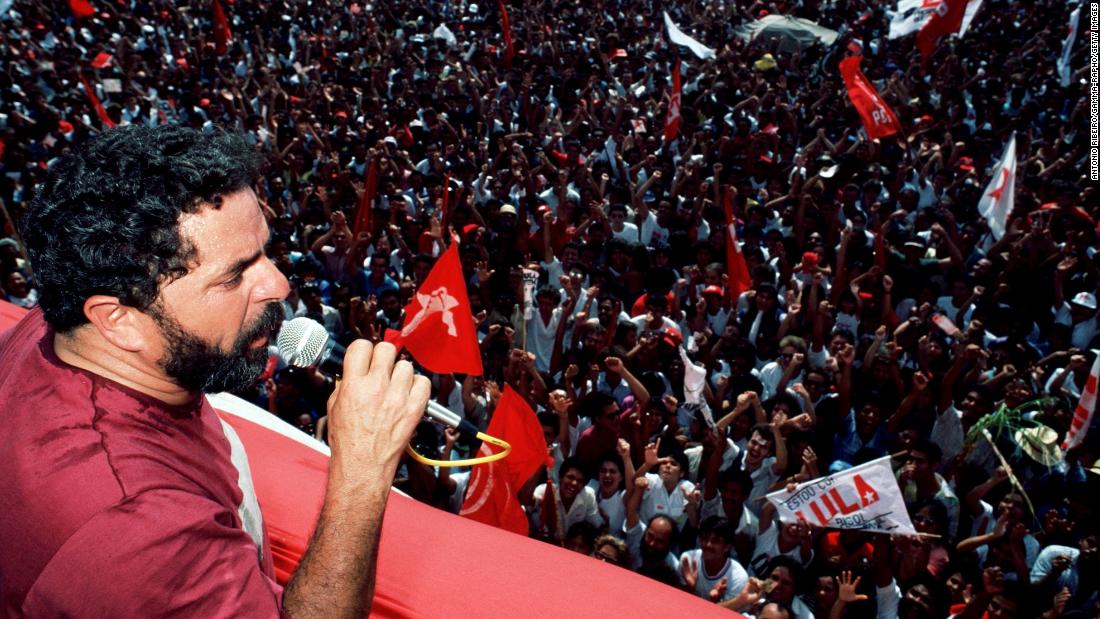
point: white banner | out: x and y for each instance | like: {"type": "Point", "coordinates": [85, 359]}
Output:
{"type": "Point", "coordinates": [530, 282]}
{"type": "Point", "coordinates": [1067, 47]}
{"type": "Point", "coordinates": [679, 37]}
{"type": "Point", "coordinates": [911, 15]}
{"type": "Point", "coordinates": [865, 498]}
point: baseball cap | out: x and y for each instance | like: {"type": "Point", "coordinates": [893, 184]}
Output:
{"type": "Point", "coordinates": [1085, 299]}
{"type": "Point", "coordinates": [507, 209]}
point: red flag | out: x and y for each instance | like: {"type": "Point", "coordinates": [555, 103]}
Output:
{"type": "Point", "coordinates": [738, 269]}
{"type": "Point", "coordinates": [878, 119]}
{"type": "Point", "coordinates": [491, 491]}
{"type": "Point", "coordinates": [99, 109]}
{"type": "Point", "coordinates": [222, 33]}
{"type": "Point", "coordinates": [439, 327]}
{"type": "Point", "coordinates": [506, 29]}
{"type": "Point", "coordinates": [947, 19]}
{"type": "Point", "coordinates": [102, 59]}
{"type": "Point", "coordinates": [672, 121]}
{"type": "Point", "coordinates": [82, 9]}
{"type": "Point", "coordinates": [366, 201]}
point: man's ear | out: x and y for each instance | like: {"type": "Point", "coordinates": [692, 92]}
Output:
{"type": "Point", "coordinates": [123, 326]}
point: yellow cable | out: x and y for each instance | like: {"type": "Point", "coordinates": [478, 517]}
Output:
{"type": "Point", "coordinates": [507, 449]}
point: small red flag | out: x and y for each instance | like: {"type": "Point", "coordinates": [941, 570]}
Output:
{"type": "Point", "coordinates": [878, 119]}
{"type": "Point", "coordinates": [672, 121]}
{"type": "Point", "coordinates": [102, 59]}
{"type": "Point", "coordinates": [947, 19]}
{"type": "Point", "coordinates": [491, 491]}
{"type": "Point", "coordinates": [439, 326]}
{"type": "Point", "coordinates": [82, 9]}
{"type": "Point", "coordinates": [96, 105]}
{"type": "Point", "coordinates": [738, 269]}
{"type": "Point", "coordinates": [366, 201]}
{"type": "Point", "coordinates": [506, 29]}
{"type": "Point", "coordinates": [222, 34]}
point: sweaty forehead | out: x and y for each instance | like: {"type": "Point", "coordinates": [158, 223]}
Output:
{"type": "Point", "coordinates": [221, 236]}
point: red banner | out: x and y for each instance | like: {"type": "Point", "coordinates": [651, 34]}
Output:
{"type": "Point", "coordinates": [878, 118]}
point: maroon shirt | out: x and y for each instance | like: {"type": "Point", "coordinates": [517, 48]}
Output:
{"type": "Point", "coordinates": [116, 504]}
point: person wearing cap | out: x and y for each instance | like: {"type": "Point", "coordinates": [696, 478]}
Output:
{"type": "Point", "coordinates": [1079, 312]}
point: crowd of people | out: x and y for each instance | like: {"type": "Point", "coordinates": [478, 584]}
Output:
{"type": "Point", "coordinates": [883, 315]}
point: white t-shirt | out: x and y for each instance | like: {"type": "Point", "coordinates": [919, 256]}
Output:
{"type": "Point", "coordinates": [629, 233]}
{"type": "Point", "coordinates": [540, 338]}
{"type": "Point", "coordinates": [658, 500]}
{"type": "Point", "coordinates": [735, 575]}
{"type": "Point", "coordinates": [583, 508]}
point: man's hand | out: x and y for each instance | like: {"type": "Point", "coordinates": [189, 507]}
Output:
{"type": "Point", "coordinates": [614, 365]}
{"type": "Point", "coordinates": [993, 580]}
{"type": "Point", "coordinates": [371, 417]}
{"type": "Point", "coordinates": [374, 410]}
{"type": "Point", "coordinates": [690, 571]}
{"type": "Point", "coordinates": [846, 589]}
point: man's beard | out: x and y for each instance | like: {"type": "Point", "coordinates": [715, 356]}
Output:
{"type": "Point", "coordinates": [197, 365]}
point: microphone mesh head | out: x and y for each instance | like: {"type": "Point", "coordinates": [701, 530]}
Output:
{"type": "Point", "coordinates": [301, 341]}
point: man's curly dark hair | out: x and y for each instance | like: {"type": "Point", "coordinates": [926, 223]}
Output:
{"type": "Point", "coordinates": [106, 219]}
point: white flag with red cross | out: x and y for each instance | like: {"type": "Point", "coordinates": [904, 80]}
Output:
{"type": "Point", "coordinates": [863, 498]}
{"type": "Point", "coordinates": [999, 196]}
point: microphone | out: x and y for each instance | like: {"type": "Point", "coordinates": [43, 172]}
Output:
{"type": "Point", "coordinates": [304, 343]}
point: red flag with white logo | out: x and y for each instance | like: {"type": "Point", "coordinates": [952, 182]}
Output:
{"type": "Point", "coordinates": [439, 327]}
{"type": "Point", "coordinates": [1086, 406]}
{"type": "Point", "coordinates": [672, 121]}
{"type": "Point", "coordinates": [878, 119]}
{"type": "Point", "coordinates": [491, 491]}
{"type": "Point", "coordinates": [221, 28]}
{"type": "Point", "coordinates": [739, 279]}
{"type": "Point", "coordinates": [997, 200]}
{"type": "Point", "coordinates": [947, 19]}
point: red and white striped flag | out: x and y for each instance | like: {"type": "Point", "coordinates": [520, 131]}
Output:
{"type": "Point", "coordinates": [999, 196]}
{"type": "Point", "coordinates": [1086, 406]}
{"type": "Point", "coordinates": [672, 121]}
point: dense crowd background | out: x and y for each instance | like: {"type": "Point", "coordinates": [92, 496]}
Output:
{"type": "Point", "coordinates": [557, 164]}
